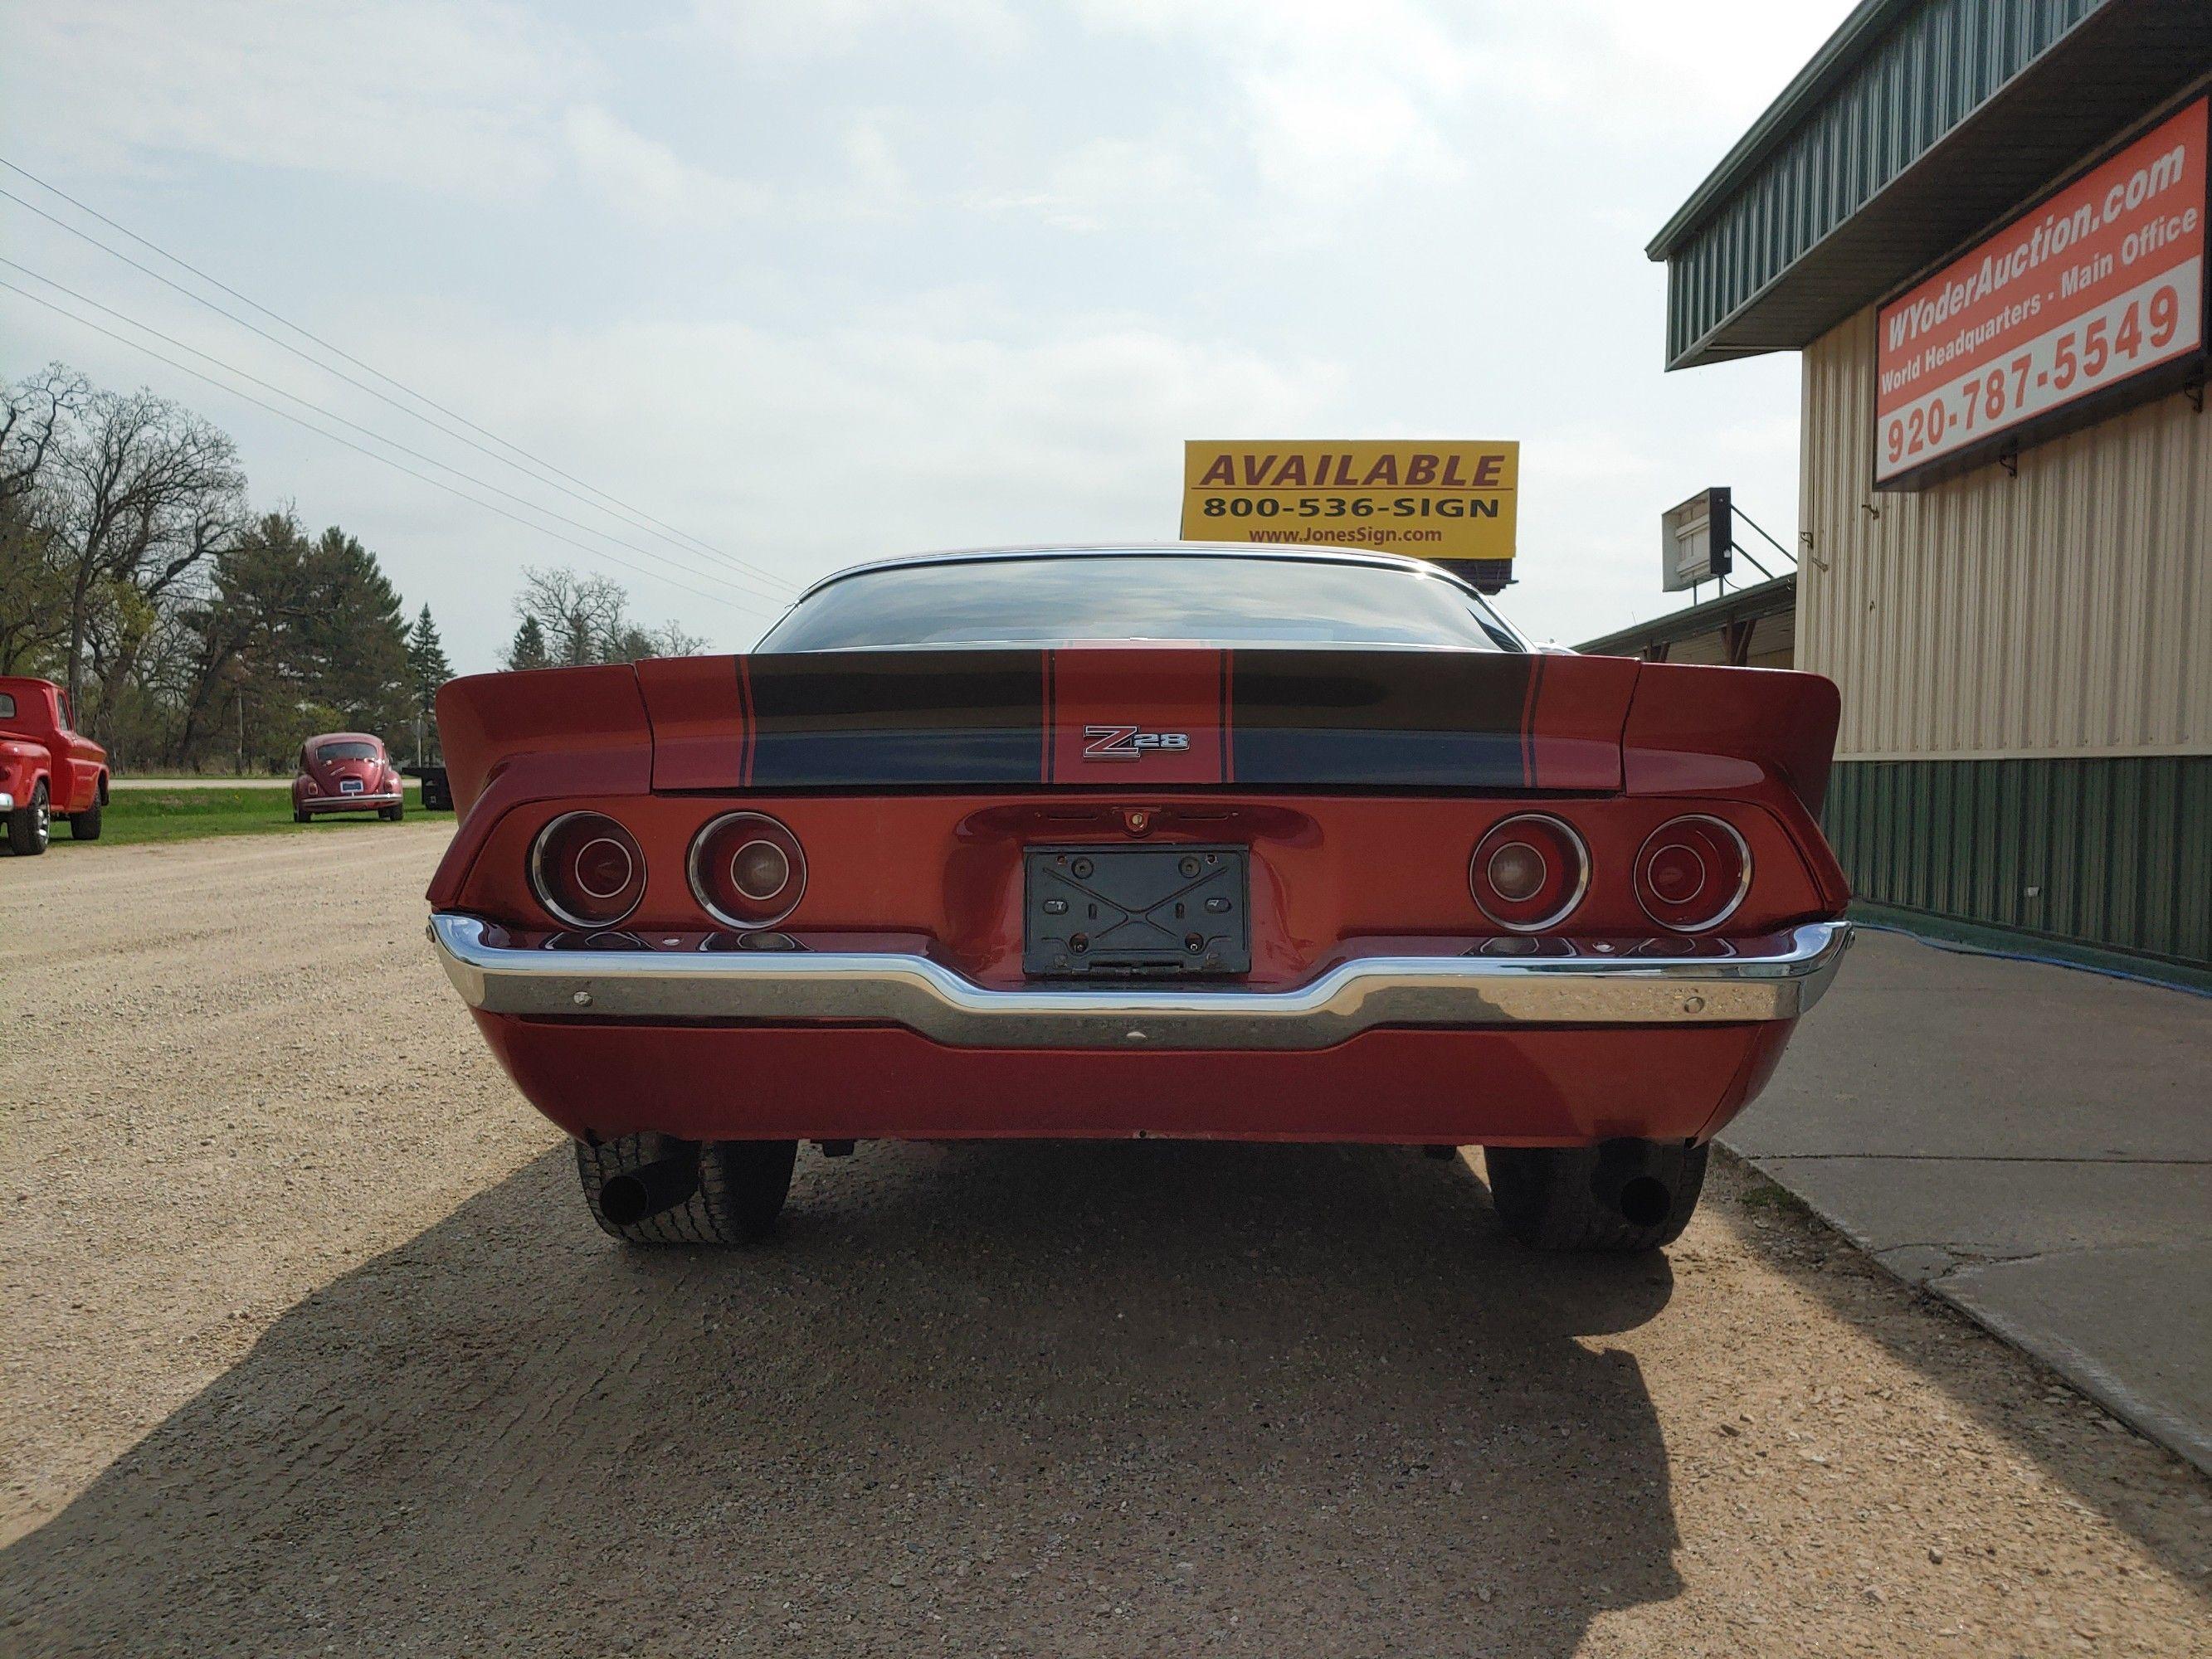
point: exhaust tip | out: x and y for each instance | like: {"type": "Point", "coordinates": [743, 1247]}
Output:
{"type": "Point", "coordinates": [635, 1195]}
{"type": "Point", "coordinates": [1644, 1201]}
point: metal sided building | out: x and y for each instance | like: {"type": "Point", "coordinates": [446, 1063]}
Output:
{"type": "Point", "coordinates": [1983, 223]}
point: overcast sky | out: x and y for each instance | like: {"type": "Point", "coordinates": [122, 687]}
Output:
{"type": "Point", "coordinates": [819, 281]}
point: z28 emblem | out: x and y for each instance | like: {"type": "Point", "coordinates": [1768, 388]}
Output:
{"type": "Point", "coordinates": [1126, 743]}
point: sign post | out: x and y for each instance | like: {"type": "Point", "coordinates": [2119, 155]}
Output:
{"type": "Point", "coordinates": [1454, 503]}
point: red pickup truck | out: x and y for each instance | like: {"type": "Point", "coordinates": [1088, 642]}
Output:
{"type": "Point", "coordinates": [47, 771]}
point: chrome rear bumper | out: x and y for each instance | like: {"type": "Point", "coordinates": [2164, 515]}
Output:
{"type": "Point", "coordinates": [1786, 976]}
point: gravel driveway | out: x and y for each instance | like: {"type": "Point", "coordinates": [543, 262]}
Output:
{"type": "Point", "coordinates": [310, 1348]}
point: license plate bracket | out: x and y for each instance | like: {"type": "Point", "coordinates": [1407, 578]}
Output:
{"type": "Point", "coordinates": [1171, 911]}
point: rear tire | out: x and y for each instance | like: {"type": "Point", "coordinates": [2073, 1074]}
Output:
{"type": "Point", "coordinates": [298, 815]}
{"type": "Point", "coordinates": [740, 1190]}
{"type": "Point", "coordinates": [29, 826]}
{"type": "Point", "coordinates": [391, 814]}
{"type": "Point", "coordinates": [85, 825]}
{"type": "Point", "coordinates": [1620, 1197]}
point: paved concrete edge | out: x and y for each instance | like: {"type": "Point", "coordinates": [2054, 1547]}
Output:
{"type": "Point", "coordinates": [2076, 1369]}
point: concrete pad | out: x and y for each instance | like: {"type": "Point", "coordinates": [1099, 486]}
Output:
{"type": "Point", "coordinates": [1918, 1051]}
{"type": "Point", "coordinates": [2034, 1144]}
{"type": "Point", "coordinates": [2131, 1327]}
{"type": "Point", "coordinates": [2010, 1208]}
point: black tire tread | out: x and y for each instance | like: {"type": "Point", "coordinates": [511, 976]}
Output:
{"type": "Point", "coordinates": [742, 1187]}
{"type": "Point", "coordinates": [22, 826]}
{"type": "Point", "coordinates": [85, 825]}
{"type": "Point", "coordinates": [1544, 1198]}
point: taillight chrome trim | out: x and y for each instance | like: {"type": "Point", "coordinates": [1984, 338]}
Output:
{"type": "Point", "coordinates": [794, 875]}
{"type": "Point", "coordinates": [1575, 895]}
{"type": "Point", "coordinates": [1735, 899]}
{"type": "Point", "coordinates": [538, 887]}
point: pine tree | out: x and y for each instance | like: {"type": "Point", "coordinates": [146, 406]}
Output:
{"type": "Point", "coordinates": [529, 650]}
{"type": "Point", "coordinates": [427, 669]}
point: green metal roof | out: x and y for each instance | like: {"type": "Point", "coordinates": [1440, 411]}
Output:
{"type": "Point", "coordinates": [1767, 599]}
{"type": "Point", "coordinates": [1919, 123]}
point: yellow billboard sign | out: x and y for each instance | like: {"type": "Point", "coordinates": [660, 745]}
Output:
{"type": "Point", "coordinates": [1433, 500]}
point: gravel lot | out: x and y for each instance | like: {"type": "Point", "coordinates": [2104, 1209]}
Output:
{"type": "Point", "coordinates": [310, 1348]}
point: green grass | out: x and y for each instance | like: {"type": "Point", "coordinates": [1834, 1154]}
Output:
{"type": "Point", "coordinates": [144, 815]}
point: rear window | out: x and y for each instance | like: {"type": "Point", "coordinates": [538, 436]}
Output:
{"type": "Point", "coordinates": [1057, 600]}
{"type": "Point", "coordinates": [7, 707]}
{"type": "Point", "coordinates": [331, 751]}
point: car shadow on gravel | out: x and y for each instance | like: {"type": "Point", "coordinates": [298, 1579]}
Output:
{"type": "Point", "coordinates": [1138, 1398]}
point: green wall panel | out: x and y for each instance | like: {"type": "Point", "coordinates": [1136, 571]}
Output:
{"type": "Point", "coordinates": [2115, 853]}
{"type": "Point", "coordinates": [1933, 66]}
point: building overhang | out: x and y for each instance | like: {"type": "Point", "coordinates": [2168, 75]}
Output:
{"type": "Point", "coordinates": [2120, 64]}
{"type": "Point", "coordinates": [1746, 605]}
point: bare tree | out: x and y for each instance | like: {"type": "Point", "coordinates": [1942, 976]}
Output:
{"type": "Point", "coordinates": [567, 620]}
{"type": "Point", "coordinates": [31, 420]}
{"type": "Point", "coordinates": [143, 491]}
{"type": "Point", "coordinates": [580, 616]}
{"type": "Point", "coordinates": [33, 596]}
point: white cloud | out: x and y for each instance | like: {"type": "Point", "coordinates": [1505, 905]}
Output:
{"type": "Point", "coordinates": [805, 451]}
{"type": "Point", "coordinates": [647, 179]}
{"type": "Point", "coordinates": [442, 96]}
{"type": "Point", "coordinates": [1107, 182]}
{"type": "Point", "coordinates": [798, 31]}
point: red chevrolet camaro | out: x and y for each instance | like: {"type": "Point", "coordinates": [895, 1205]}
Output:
{"type": "Point", "coordinates": [1184, 841]}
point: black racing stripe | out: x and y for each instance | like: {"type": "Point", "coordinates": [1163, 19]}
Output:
{"type": "Point", "coordinates": [1289, 756]}
{"type": "Point", "coordinates": [921, 717]}
{"type": "Point", "coordinates": [1048, 761]}
{"type": "Point", "coordinates": [1228, 761]}
{"type": "Point", "coordinates": [1383, 691]}
{"type": "Point", "coordinates": [1382, 718]}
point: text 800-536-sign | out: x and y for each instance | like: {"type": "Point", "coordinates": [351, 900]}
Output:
{"type": "Point", "coordinates": [2089, 290]}
{"type": "Point", "coordinates": [1451, 501]}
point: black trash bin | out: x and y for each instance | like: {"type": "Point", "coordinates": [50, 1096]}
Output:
{"type": "Point", "coordinates": [437, 793]}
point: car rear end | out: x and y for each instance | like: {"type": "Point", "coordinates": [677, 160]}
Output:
{"type": "Point", "coordinates": [345, 772]}
{"type": "Point", "coordinates": [1380, 890]}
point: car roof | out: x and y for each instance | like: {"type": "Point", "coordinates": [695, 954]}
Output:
{"type": "Point", "coordinates": [1317, 553]}
{"type": "Point", "coordinates": [344, 737]}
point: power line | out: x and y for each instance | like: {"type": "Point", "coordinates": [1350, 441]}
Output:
{"type": "Point", "coordinates": [439, 483]}
{"type": "Point", "coordinates": [216, 282]}
{"type": "Point", "coordinates": [676, 536]}
{"type": "Point", "coordinates": [394, 443]}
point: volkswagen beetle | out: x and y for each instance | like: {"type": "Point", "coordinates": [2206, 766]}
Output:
{"type": "Point", "coordinates": [346, 772]}
{"type": "Point", "coordinates": [1293, 844]}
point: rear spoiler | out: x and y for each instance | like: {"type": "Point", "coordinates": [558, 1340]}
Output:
{"type": "Point", "coordinates": [1103, 716]}
{"type": "Point", "coordinates": [1697, 730]}
{"type": "Point", "coordinates": [1129, 716]}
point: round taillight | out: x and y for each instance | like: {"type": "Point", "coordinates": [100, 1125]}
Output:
{"type": "Point", "coordinates": [586, 870]}
{"type": "Point", "coordinates": [1528, 873]}
{"type": "Point", "coordinates": [1691, 874]}
{"type": "Point", "coordinates": [747, 869]}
